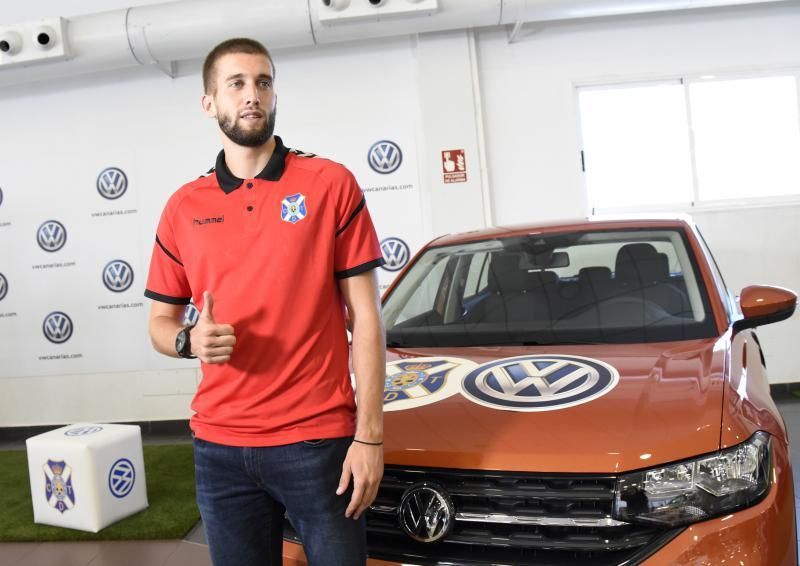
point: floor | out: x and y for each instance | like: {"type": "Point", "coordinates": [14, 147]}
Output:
{"type": "Point", "coordinates": [192, 551]}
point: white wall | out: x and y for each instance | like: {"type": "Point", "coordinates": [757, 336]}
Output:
{"type": "Point", "coordinates": [334, 101]}
{"type": "Point", "coordinates": [533, 131]}
{"type": "Point", "coordinates": [338, 99]}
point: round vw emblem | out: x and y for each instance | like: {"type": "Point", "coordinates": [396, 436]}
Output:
{"type": "Point", "coordinates": [1, 196]}
{"type": "Point", "coordinates": [112, 183]}
{"type": "Point", "coordinates": [57, 327]}
{"type": "Point", "coordinates": [52, 236]}
{"type": "Point", "coordinates": [118, 276]}
{"type": "Point", "coordinates": [190, 315]}
{"type": "Point", "coordinates": [121, 478]}
{"type": "Point", "coordinates": [426, 512]}
{"type": "Point", "coordinates": [3, 286]}
{"type": "Point", "coordinates": [539, 383]}
{"type": "Point", "coordinates": [395, 253]}
{"type": "Point", "coordinates": [83, 431]}
{"type": "Point", "coordinates": [384, 157]}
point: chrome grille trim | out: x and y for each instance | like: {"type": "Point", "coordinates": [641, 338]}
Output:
{"type": "Point", "coordinates": [498, 518]}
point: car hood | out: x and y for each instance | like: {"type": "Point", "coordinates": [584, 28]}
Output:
{"type": "Point", "coordinates": [665, 405]}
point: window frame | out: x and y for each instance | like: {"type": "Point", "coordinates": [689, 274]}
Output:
{"type": "Point", "coordinates": [685, 80]}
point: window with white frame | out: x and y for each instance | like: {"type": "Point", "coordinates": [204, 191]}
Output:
{"type": "Point", "coordinates": [685, 143]}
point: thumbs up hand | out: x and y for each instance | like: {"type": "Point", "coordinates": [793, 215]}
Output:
{"type": "Point", "coordinates": [211, 342]}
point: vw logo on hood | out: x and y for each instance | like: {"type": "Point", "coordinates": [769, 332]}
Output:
{"type": "Point", "coordinates": [539, 382]}
{"type": "Point", "coordinates": [426, 512]}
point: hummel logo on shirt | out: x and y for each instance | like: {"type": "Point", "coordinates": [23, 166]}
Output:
{"type": "Point", "coordinates": [212, 220]}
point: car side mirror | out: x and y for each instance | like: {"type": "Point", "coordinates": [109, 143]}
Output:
{"type": "Point", "coordinates": [763, 304]}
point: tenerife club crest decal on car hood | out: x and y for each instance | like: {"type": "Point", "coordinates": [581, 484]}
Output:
{"type": "Point", "coordinates": [416, 382]}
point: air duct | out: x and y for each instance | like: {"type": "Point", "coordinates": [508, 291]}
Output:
{"type": "Point", "coordinates": [161, 34]}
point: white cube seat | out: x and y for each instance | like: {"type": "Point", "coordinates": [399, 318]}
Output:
{"type": "Point", "coordinates": [86, 476]}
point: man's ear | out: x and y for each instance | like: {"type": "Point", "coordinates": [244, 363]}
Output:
{"type": "Point", "coordinates": [207, 102]}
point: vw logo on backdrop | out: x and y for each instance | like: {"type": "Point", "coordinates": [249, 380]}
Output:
{"type": "Point", "coordinates": [426, 512]}
{"type": "Point", "coordinates": [121, 478]}
{"type": "Point", "coordinates": [190, 315]}
{"type": "Point", "coordinates": [3, 286]}
{"type": "Point", "coordinates": [539, 383]}
{"type": "Point", "coordinates": [51, 236]}
{"type": "Point", "coordinates": [57, 327]}
{"type": "Point", "coordinates": [112, 183]}
{"type": "Point", "coordinates": [118, 276]}
{"type": "Point", "coordinates": [1, 196]}
{"type": "Point", "coordinates": [384, 157]}
{"type": "Point", "coordinates": [395, 253]}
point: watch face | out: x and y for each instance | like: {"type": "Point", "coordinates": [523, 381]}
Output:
{"type": "Point", "coordinates": [180, 341]}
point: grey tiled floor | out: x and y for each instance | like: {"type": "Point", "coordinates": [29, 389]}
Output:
{"type": "Point", "coordinates": [193, 551]}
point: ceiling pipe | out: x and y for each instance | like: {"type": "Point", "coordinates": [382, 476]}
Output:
{"type": "Point", "coordinates": [162, 34]}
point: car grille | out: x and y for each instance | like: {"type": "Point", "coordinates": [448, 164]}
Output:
{"type": "Point", "coordinates": [512, 518]}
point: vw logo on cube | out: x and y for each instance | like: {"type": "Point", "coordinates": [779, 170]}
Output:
{"type": "Point", "coordinates": [112, 183]}
{"type": "Point", "coordinates": [395, 253]}
{"type": "Point", "coordinates": [51, 236]}
{"type": "Point", "coordinates": [385, 157]}
{"type": "Point", "coordinates": [121, 478]}
{"type": "Point", "coordinates": [118, 276]}
{"type": "Point", "coordinates": [57, 327]}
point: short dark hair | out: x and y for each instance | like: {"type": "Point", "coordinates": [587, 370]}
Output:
{"type": "Point", "coordinates": [235, 45]}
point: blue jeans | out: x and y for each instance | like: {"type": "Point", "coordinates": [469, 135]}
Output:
{"type": "Point", "coordinates": [243, 494]}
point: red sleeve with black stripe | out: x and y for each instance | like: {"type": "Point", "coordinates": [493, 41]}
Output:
{"type": "Point", "coordinates": [357, 247]}
{"type": "Point", "coordinates": [166, 281]}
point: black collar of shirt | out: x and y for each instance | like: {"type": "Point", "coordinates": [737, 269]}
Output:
{"type": "Point", "coordinates": [273, 171]}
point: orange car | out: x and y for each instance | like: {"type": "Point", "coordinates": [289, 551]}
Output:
{"type": "Point", "coordinates": [581, 393]}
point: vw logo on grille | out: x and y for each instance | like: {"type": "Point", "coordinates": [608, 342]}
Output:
{"type": "Point", "coordinates": [118, 276]}
{"type": "Point", "coordinates": [52, 236]}
{"type": "Point", "coordinates": [539, 383]}
{"type": "Point", "coordinates": [112, 183]}
{"type": "Point", "coordinates": [395, 253]}
{"type": "Point", "coordinates": [83, 431]}
{"type": "Point", "coordinates": [57, 327]}
{"type": "Point", "coordinates": [384, 157]}
{"type": "Point", "coordinates": [426, 512]}
{"type": "Point", "coordinates": [190, 315]}
{"type": "Point", "coordinates": [121, 478]}
{"type": "Point", "coordinates": [3, 286]}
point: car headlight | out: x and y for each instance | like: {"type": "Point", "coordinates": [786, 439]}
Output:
{"type": "Point", "coordinates": [699, 489]}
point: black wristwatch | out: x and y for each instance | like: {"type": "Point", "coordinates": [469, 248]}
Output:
{"type": "Point", "coordinates": [183, 343]}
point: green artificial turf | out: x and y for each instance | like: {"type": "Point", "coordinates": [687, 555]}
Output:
{"type": "Point", "coordinates": [170, 492]}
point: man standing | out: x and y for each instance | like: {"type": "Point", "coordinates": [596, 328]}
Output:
{"type": "Point", "coordinates": [271, 245]}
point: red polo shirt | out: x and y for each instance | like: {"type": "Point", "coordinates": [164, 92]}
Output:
{"type": "Point", "coordinates": [270, 250]}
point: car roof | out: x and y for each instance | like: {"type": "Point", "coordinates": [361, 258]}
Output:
{"type": "Point", "coordinates": [568, 225]}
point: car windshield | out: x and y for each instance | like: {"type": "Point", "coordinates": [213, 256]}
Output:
{"type": "Point", "coordinates": [620, 286]}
